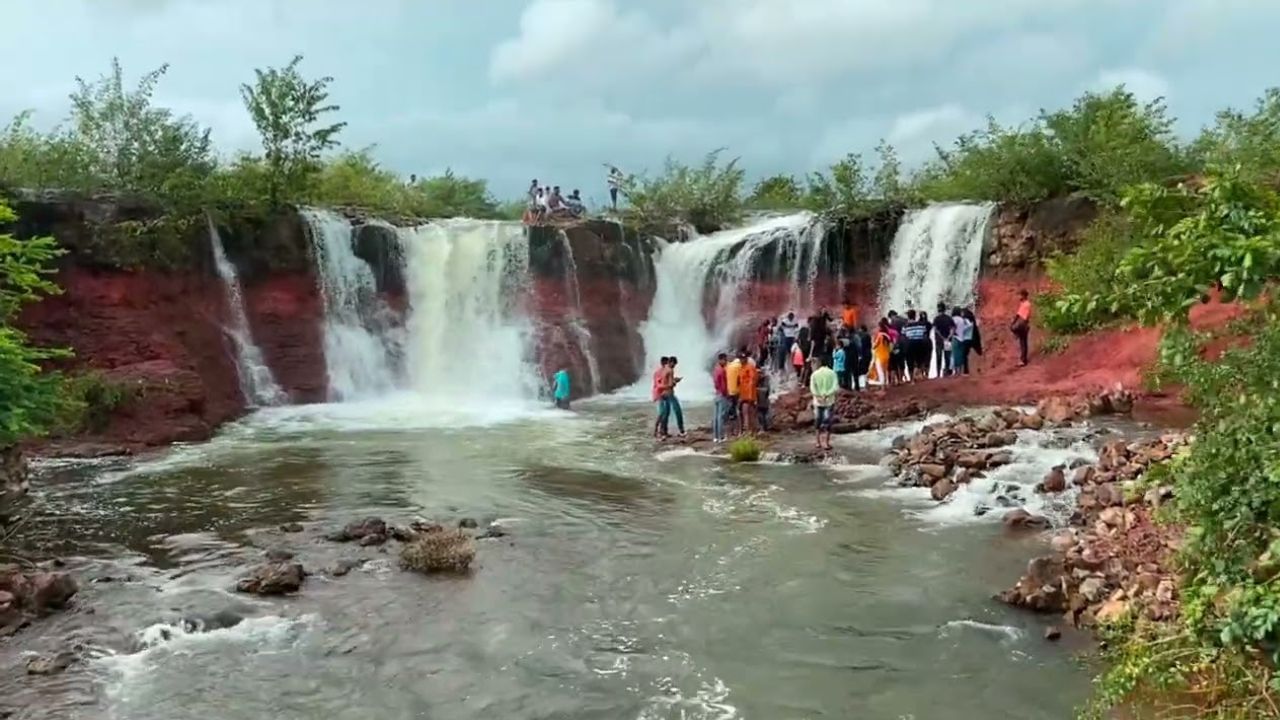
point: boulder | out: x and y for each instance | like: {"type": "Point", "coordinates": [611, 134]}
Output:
{"type": "Point", "coordinates": [360, 530]}
{"type": "Point", "coordinates": [1054, 482]}
{"type": "Point", "coordinates": [999, 459]}
{"type": "Point", "coordinates": [1031, 421]}
{"type": "Point", "coordinates": [292, 527]}
{"type": "Point", "coordinates": [1040, 588]}
{"type": "Point", "coordinates": [973, 459]}
{"type": "Point", "coordinates": [273, 578]}
{"type": "Point", "coordinates": [1062, 542]}
{"type": "Point", "coordinates": [373, 539]}
{"type": "Point", "coordinates": [1109, 495]}
{"type": "Point", "coordinates": [1083, 475]}
{"type": "Point", "coordinates": [1060, 410]}
{"type": "Point", "coordinates": [1020, 519]}
{"type": "Point", "coordinates": [50, 591]}
{"type": "Point", "coordinates": [1052, 633]}
{"type": "Point", "coordinates": [342, 567]}
{"type": "Point", "coordinates": [1111, 611]}
{"type": "Point", "coordinates": [1000, 439]}
{"type": "Point", "coordinates": [1092, 589]}
{"type": "Point", "coordinates": [942, 489]}
{"type": "Point", "coordinates": [50, 664]}
{"type": "Point", "coordinates": [468, 524]}
{"type": "Point", "coordinates": [278, 555]}
{"type": "Point", "coordinates": [933, 471]}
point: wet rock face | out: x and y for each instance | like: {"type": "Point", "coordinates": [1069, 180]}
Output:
{"type": "Point", "coordinates": [273, 578]}
{"type": "Point", "coordinates": [26, 595]}
{"type": "Point", "coordinates": [1024, 236]}
{"type": "Point", "coordinates": [369, 531]}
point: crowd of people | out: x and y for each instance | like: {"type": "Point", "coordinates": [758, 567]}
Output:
{"type": "Point", "coordinates": [549, 203]}
{"type": "Point", "coordinates": [825, 354]}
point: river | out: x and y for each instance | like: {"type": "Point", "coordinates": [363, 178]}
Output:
{"type": "Point", "coordinates": [633, 583]}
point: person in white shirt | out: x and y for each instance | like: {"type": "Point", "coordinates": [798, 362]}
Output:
{"type": "Point", "coordinates": [961, 336]}
{"type": "Point", "coordinates": [615, 183]}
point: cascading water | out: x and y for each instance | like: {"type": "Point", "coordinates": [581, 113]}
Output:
{"type": "Point", "coordinates": [717, 267]}
{"type": "Point", "coordinates": [936, 255]}
{"type": "Point", "coordinates": [468, 338]}
{"type": "Point", "coordinates": [257, 384]}
{"type": "Point", "coordinates": [578, 323]}
{"type": "Point", "coordinates": [358, 360]}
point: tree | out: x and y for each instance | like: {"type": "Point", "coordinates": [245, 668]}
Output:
{"type": "Point", "coordinates": [131, 145]}
{"type": "Point", "coordinates": [287, 110]}
{"type": "Point", "coordinates": [779, 192]}
{"type": "Point", "coordinates": [30, 399]}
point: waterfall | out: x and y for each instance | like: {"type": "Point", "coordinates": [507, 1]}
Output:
{"type": "Point", "coordinates": [714, 270]}
{"type": "Point", "coordinates": [256, 381]}
{"type": "Point", "coordinates": [358, 360]}
{"type": "Point", "coordinates": [936, 255]}
{"type": "Point", "coordinates": [578, 323]}
{"type": "Point", "coordinates": [468, 337]}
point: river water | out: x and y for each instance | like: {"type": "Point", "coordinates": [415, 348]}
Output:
{"type": "Point", "coordinates": [633, 584]}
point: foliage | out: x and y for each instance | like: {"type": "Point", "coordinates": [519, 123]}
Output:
{"type": "Point", "coordinates": [1225, 234]}
{"type": "Point", "coordinates": [1055, 344]}
{"type": "Point", "coordinates": [30, 399]}
{"type": "Point", "coordinates": [1250, 142]}
{"type": "Point", "coordinates": [1227, 641]}
{"type": "Point", "coordinates": [708, 196]}
{"type": "Point", "coordinates": [288, 110]}
{"type": "Point", "coordinates": [1099, 146]}
{"type": "Point", "coordinates": [744, 450]}
{"type": "Point", "coordinates": [89, 400]}
{"type": "Point", "coordinates": [1091, 267]}
{"type": "Point", "coordinates": [778, 192]}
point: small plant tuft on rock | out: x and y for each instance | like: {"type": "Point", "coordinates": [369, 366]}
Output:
{"type": "Point", "coordinates": [440, 551]}
{"type": "Point", "coordinates": [744, 450]}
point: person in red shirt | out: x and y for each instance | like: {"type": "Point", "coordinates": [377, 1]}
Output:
{"type": "Point", "coordinates": [659, 394]}
{"type": "Point", "coordinates": [1021, 327]}
{"type": "Point", "coordinates": [720, 379]}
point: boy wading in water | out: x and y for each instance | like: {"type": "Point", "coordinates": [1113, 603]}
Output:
{"type": "Point", "coordinates": [823, 385]}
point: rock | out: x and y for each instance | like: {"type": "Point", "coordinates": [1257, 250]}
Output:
{"type": "Point", "coordinates": [973, 459]}
{"type": "Point", "coordinates": [1077, 463]}
{"type": "Point", "coordinates": [1109, 495]}
{"type": "Point", "coordinates": [278, 555]}
{"type": "Point", "coordinates": [1020, 519]}
{"type": "Point", "coordinates": [1062, 542]}
{"type": "Point", "coordinates": [1112, 517]}
{"type": "Point", "coordinates": [492, 532]}
{"type": "Point", "coordinates": [50, 591]}
{"type": "Point", "coordinates": [1059, 410]}
{"type": "Point", "coordinates": [292, 527]}
{"type": "Point", "coordinates": [999, 439]}
{"type": "Point", "coordinates": [1054, 482]}
{"type": "Point", "coordinates": [359, 530]}
{"type": "Point", "coordinates": [933, 471]}
{"type": "Point", "coordinates": [964, 476]}
{"type": "Point", "coordinates": [372, 539]}
{"type": "Point", "coordinates": [1083, 475]}
{"type": "Point", "coordinates": [981, 510]}
{"type": "Point", "coordinates": [1111, 611]}
{"type": "Point", "coordinates": [1114, 454]}
{"type": "Point", "coordinates": [1040, 588]}
{"type": "Point", "coordinates": [1052, 633]}
{"type": "Point", "coordinates": [400, 534]}
{"type": "Point", "coordinates": [1092, 589]}
{"type": "Point", "coordinates": [942, 489]}
{"type": "Point", "coordinates": [999, 459]}
{"type": "Point", "coordinates": [1165, 591]}
{"type": "Point", "coordinates": [1155, 497]}
{"type": "Point", "coordinates": [1009, 417]}
{"type": "Point", "coordinates": [342, 567]}
{"type": "Point", "coordinates": [468, 523]}
{"type": "Point", "coordinates": [273, 578]}
{"type": "Point", "coordinates": [51, 664]}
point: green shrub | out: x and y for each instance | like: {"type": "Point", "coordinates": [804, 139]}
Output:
{"type": "Point", "coordinates": [443, 550]}
{"type": "Point", "coordinates": [1250, 142]}
{"type": "Point", "coordinates": [744, 450]}
{"type": "Point", "coordinates": [708, 197]}
{"type": "Point", "coordinates": [89, 402]}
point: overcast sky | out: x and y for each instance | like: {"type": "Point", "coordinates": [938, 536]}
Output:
{"type": "Point", "coordinates": [514, 89]}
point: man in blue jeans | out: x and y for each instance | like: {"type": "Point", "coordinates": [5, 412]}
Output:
{"type": "Point", "coordinates": [720, 379]}
{"type": "Point", "coordinates": [668, 403]}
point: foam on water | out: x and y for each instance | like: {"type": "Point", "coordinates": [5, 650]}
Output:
{"type": "Point", "coordinates": [1008, 632]}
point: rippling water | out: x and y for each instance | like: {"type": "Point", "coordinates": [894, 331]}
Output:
{"type": "Point", "coordinates": [631, 586]}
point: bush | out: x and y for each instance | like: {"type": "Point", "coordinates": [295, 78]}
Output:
{"type": "Point", "coordinates": [1249, 142]}
{"type": "Point", "coordinates": [90, 400]}
{"type": "Point", "coordinates": [30, 399]}
{"type": "Point", "coordinates": [439, 551]}
{"type": "Point", "coordinates": [708, 197]}
{"type": "Point", "coordinates": [744, 450]}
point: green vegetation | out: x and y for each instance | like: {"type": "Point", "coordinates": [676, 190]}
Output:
{"type": "Point", "coordinates": [708, 196]}
{"type": "Point", "coordinates": [30, 400]}
{"type": "Point", "coordinates": [117, 140]}
{"type": "Point", "coordinates": [1159, 250]}
{"type": "Point", "coordinates": [744, 450]}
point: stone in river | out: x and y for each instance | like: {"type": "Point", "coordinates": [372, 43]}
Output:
{"type": "Point", "coordinates": [273, 578]}
{"type": "Point", "coordinates": [50, 664]}
{"type": "Point", "coordinates": [468, 524]}
{"type": "Point", "coordinates": [360, 530]}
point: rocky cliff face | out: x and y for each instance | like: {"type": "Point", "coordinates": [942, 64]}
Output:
{"type": "Point", "coordinates": [143, 305]}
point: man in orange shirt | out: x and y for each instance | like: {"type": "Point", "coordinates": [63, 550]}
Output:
{"type": "Point", "coordinates": [748, 378]}
{"type": "Point", "coordinates": [849, 318]}
{"type": "Point", "coordinates": [1021, 327]}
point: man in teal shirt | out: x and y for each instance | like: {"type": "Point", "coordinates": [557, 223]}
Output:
{"type": "Point", "coordinates": [560, 388]}
{"type": "Point", "coordinates": [823, 386]}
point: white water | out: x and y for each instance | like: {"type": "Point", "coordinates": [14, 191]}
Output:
{"type": "Point", "coordinates": [257, 384]}
{"type": "Point", "coordinates": [936, 255]}
{"type": "Point", "coordinates": [717, 267]}
{"type": "Point", "coordinates": [578, 323]}
{"type": "Point", "coordinates": [468, 337]}
{"type": "Point", "coordinates": [357, 359]}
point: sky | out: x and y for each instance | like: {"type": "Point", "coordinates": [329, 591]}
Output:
{"type": "Point", "coordinates": [510, 90]}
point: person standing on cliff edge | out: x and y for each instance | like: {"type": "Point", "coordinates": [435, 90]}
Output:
{"type": "Point", "coordinates": [615, 184]}
{"type": "Point", "coordinates": [1021, 327]}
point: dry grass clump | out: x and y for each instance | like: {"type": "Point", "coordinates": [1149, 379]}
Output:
{"type": "Point", "coordinates": [439, 551]}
